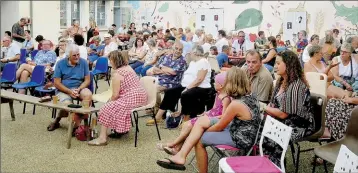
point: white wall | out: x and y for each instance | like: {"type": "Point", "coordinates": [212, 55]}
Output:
{"type": "Point", "coordinates": [9, 15]}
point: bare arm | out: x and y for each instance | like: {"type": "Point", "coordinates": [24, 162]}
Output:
{"type": "Point", "coordinates": [269, 56]}
{"type": "Point", "coordinates": [116, 86]}
{"type": "Point", "coordinates": [199, 78]}
{"type": "Point", "coordinates": [58, 84]}
{"type": "Point", "coordinates": [226, 103]}
{"type": "Point", "coordinates": [168, 70]}
{"type": "Point", "coordinates": [275, 112]}
{"type": "Point", "coordinates": [227, 117]}
{"type": "Point", "coordinates": [85, 83]}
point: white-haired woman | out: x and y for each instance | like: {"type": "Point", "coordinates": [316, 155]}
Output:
{"type": "Point", "coordinates": [150, 58]}
{"type": "Point", "coordinates": [194, 88]}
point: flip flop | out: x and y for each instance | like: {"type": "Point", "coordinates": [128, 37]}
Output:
{"type": "Point", "coordinates": [95, 142]}
{"type": "Point", "coordinates": [53, 126]}
{"type": "Point", "coordinates": [161, 146]}
{"type": "Point", "coordinates": [170, 165]}
{"type": "Point", "coordinates": [169, 151]}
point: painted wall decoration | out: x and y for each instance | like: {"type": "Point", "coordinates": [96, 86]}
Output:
{"type": "Point", "coordinates": [164, 7]}
{"type": "Point", "coordinates": [135, 4]}
{"type": "Point", "coordinates": [248, 18]}
{"type": "Point", "coordinates": [240, 2]}
{"type": "Point", "coordinates": [350, 14]}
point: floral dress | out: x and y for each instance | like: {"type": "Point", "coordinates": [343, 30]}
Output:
{"type": "Point", "coordinates": [338, 114]}
{"type": "Point", "coordinates": [116, 114]}
{"type": "Point", "coordinates": [243, 133]}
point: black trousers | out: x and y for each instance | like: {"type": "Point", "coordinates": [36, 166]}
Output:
{"type": "Point", "coordinates": [193, 100]}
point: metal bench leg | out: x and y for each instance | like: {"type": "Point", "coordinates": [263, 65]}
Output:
{"type": "Point", "coordinates": [11, 105]}
{"type": "Point", "coordinates": [23, 111]}
{"type": "Point", "coordinates": [34, 110]}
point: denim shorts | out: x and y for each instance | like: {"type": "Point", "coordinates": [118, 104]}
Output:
{"type": "Point", "coordinates": [217, 138]}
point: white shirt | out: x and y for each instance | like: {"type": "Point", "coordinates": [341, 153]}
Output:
{"type": "Point", "coordinates": [192, 72]}
{"type": "Point", "coordinates": [346, 70]}
{"type": "Point", "coordinates": [11, 51]}
{"type": "Point", "coordinates": [150, 56]}
{"type": "Point", "coordinates": [206, 47]}
{"type": "Point", "coordinates": [245, 46]}
{"type": "Point", "coordinates": [220, 43]}
{"type": "Point", "coordinates": [187, 46]}
{"type": "Point", "coordinates": [83, 52]}
{"type": "Point", "coordinates": [305, 56]}
{"type": "Point", "coordinates": [121, 30]}
{"type": "Point", "coordinates": [112, 46]}
{"type": "Point", "coordinates": [195, 38]}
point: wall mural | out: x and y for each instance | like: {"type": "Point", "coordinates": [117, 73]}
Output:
{"type": "Point", "coordinates": [164, 13]}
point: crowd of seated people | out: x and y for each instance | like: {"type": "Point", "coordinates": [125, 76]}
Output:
{"type": "Point", "coordinates": [182, 63]}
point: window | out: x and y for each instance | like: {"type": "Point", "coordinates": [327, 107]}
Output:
{"type": "Point", "coordinates": [69, 11]}
{"type": "Point", "coordinates": [97, 12]}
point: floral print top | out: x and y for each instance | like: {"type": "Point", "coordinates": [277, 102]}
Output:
{"type": "Point", "coordinates": [301, 44]}
{"type": "Point", "coordinates": [44, 57]}
{"type": "Point", "coordinates": [178, 65]}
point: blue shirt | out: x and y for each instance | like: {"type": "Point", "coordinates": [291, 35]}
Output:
{"type": "Point", "coordinates": [222, 59]}
{"type": "Point", "coordinates": [187, 46]}
{"type": "Point", "coordinates": [44, 57]}
{"type": "Point", "coordinates": [71, 76]}
{"type": "Point", "coordinates": [179, 66]}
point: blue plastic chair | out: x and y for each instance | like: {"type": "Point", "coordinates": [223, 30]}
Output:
{"type": "Point", "coordinates": [101, 68]}
{"type": "Point", "coordinates": [9, 73]}
{"type": "Point", "coordinates": [22, 56]}
{"type": "Point", "coordinates": [33, 54]}
{"type": "Point", "coordinates": [37, 79]}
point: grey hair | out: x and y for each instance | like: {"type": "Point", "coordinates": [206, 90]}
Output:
{"type": "Point", "coordinates": [329, 39]}
{"type": "Point", "coordinates": [197, 31]}
{"type": "Point", "coordinates": [151, 42]}
{"type": "Point", "coordinates": [70, 48]}
{"type": "Point", "coordinates": [304, 33]}
{"type": "Point", "coordinates": [198, 50]}
{"type": "Point", "coordinates": [350, 39]}
{"type": "Point", "coordinates": [347, 46]}
{"type": "Point", "coordinates": [314, 49]}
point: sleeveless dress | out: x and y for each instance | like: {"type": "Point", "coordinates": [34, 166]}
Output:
{"type": "Point", "coordinates": [116, 114]}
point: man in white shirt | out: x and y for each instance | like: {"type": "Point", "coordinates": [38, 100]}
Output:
{"type": "Point", "coordinates": [10, 52]}
{"type": "Point", "coordinates": [241, 44]}
{"type": "Point", "coordinates": [187, 45]}
{"type": "Point", "coordinates": [110, 46]}
{"type": "Point", "coordinates": [197, 36]}
{"type": "Point", "coordinates": [122, 30]}
{"type": "Point", "coordinates": [221, 40]}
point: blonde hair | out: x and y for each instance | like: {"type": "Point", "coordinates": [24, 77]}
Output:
{"type": "Point", "coordinates": [237, 83]}
{"type": "Point", "coordinates": [209, 38]}
{"type": "Point", "coordinates": [119, 60]}
{"type": "Point", "coordinates": [93, 23]}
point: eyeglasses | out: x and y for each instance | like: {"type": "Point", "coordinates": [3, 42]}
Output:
{"type": "Point", "coordinates": [241, 36]}
{"type": "Point", "coordinates": [344, 52]}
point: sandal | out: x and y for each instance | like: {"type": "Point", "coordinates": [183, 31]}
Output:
{"type": "Point", "coordinates": [152, 123]}
{"type": "Point", "coordinates": [161, 146]}
{"type": "Point", "coordinates": [170, 151]}
{"type": "Point", "coordinates": [318, 161]}
{"type": "Point", "coordinates": [53, 126]}
{"type": "Point", "coordinates": [170, 165]}
{"type": "Point", "coordinates": [95, 142]}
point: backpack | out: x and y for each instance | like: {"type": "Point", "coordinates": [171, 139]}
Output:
{"type": "Point", "coordinates": [173, 122]}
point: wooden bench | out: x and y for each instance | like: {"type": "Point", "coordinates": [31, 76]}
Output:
{"type": "Point", "coordinates": [9, 97]}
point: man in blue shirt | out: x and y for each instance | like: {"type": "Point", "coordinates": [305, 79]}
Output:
{"type": "Point", "coordinates": [222, 57]}
{"type": "Point", "coordinates": [71, 78]}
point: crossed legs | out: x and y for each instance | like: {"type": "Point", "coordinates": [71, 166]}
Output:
{"type": "Point", "coordinates": [23, 73]}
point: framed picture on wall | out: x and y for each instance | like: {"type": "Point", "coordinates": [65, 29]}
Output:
{"type": "Point", "coordinates": [202, 17]}
{"type": "Point", "coordinates": [216, 17]}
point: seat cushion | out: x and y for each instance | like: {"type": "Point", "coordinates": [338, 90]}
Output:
{"type": "Point", "coordinates": [25, 85]}
{"type": "Point", "coordinates": [252, 164]}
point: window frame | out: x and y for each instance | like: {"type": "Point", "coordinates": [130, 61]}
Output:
{"type": "Point", "coordinates": [96, 13]}
{"type": "Point", "coordinates": [68, 11]}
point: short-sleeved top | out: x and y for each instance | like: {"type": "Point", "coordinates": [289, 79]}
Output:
{"type": "Point", "coordinates": [178, 65]}
{"type": "Point", "coordinates": [112, 46]}
{"type": "Point", "coordinates": [222, 59]}
{"type": "Point", "coordinates": [71, 76]}
{"type": "Point", "coordinates": [149, 57]}
{"type": "Point", "coordinates": [261, 84]}
{"type": "Point", "coordinates": [261, 41]}
{"type": "Point", "coordinates": [242, 132]}
{"type": "Point", "coordinates": [45, 57]}
{"type": "Point", "coordinates": [192, 72]}
{"type": "Point", "coordinates": [19, 30]}
{"type": "Point", "coordinates": [83, 52]}
{"type": "Point", "coordinates": [220, 43]}
{"type": "Point", "coordinates": [11, 51]}
{"type": "Point", "coordinates": [301, 45]}
{"type": "Point", "coordinates": [295, 102]}
{"type": "Point", "coordinates": [27, 44]}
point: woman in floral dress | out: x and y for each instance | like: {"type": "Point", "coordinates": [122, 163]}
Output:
{"type": "Point", "coordinates": [127, 95]}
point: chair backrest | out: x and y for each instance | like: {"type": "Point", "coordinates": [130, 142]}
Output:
{"type": "Point", "coordinates": [9, 72]}
{"type": "Point", "coordinates": [279, 133]}
{"type": "Point", "coordinates": [90, 86]}
{"type": "Point", "coordinates": [317, 82]}
{"type": "Point", "coordinates": [38, 75]}
{"type": "Point", "coordinates": [347, 161]}
{"type": "Point", "coordinates": [33, 53]}
{"type": "Point", "coordinates": [150, 85]}
{"type": "Point", "coordinates": [214, 63]}
{"type": "Point", "coordinates": [352, 128]}
{"type": "Point", "coordinates": [22, 56]}
{"type": "Point", "coordinates": [318, 103]}
{"type": "Point", "coordinates": [102, 64]}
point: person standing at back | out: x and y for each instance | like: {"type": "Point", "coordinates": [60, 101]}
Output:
{"type": "Point", "coordinates": [221, 40]}
{"type": "Point", "coordinates": [18, 32]}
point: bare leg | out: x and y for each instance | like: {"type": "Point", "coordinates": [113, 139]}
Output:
{"type": "Point", "coordinates": [201, 157]}
{"type": "Point", "coordinates": [24, 78]}
{"type": "Point", "coordinates": [19, 71]}
{"type": "Point", "coordinates": [184, 133]}
{"type": "Point", "coordinates": [159, 114]}
{"type": "Point", "coordinates": [199, 128]}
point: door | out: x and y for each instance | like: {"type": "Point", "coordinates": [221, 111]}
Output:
{"type": "Point", "coordinates": [117, 16]}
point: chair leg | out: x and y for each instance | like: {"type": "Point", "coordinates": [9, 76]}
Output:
{"type": "Point", "coordinates": [34, 110]}
{"type": "Point", "coordinates": [107, 76]}
{"type": "Point", "coordinates": [23, 111]}
{"type": "Point", "coordinates": [314, 164]}
{"type": "Point", "coordinates": [298, 157]}
{"type": "Point", "coordinates": [293, 153]}
{"type": "Point", "coordinates": [95, 81]}
{"type": "Point", "coordinates": [136, 129]}
{"type": "Point", "coordinates": [155, 121]}
{"type": "Point", "coordinates": [325, 166]}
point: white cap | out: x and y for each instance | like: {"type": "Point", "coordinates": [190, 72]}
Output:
{"type": "Point", "coordinates": [107, 36]}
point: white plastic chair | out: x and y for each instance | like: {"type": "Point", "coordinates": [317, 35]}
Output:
{"type": "Point", "coordinates": [274, 130]}
{"type": "Point", "coordinates": [150, 85]}
{"type": "Point", "coordinates": [105, 96]}
{"type": "Point", "coordinates": [317, 82]}
{"type": "Point", "coordinates": [347, 161]}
